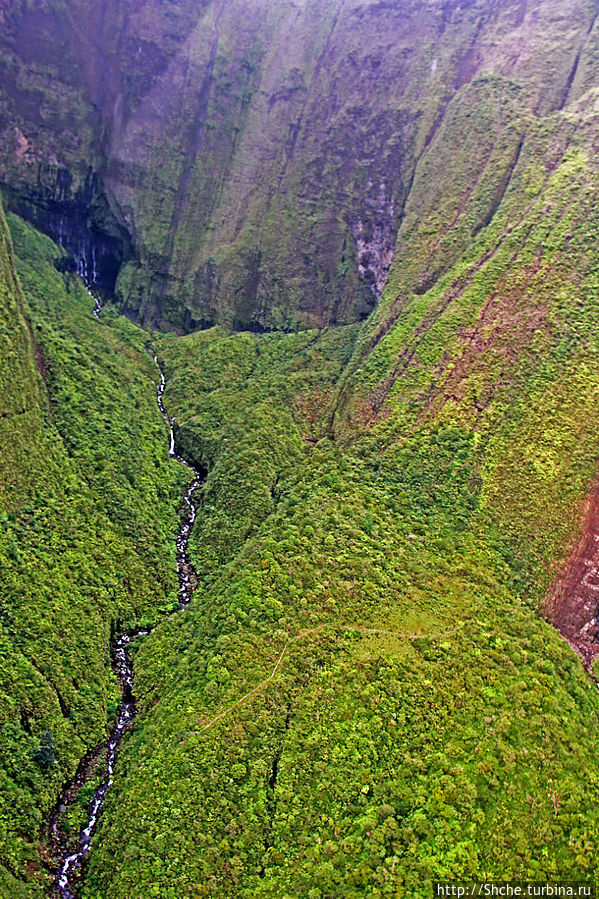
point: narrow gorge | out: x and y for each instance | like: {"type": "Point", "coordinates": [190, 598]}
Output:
{"type": "Point", "coordinates": [74, 853]}
{"type": "Point", "coordinates": [299, 396]}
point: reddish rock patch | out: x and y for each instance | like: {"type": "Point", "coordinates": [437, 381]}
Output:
{"type": "Point", "coordinates": [573, 604]}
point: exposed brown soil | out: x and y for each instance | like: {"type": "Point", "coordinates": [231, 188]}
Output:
{"type": "Point", "coordinates": [573, 605]}
{"type": "Point", "coordinates": [504, 329]}
{"type": "Point", "coordinates": [40, 363]}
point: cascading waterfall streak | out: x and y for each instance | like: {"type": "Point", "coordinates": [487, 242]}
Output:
{"type": "Point", "coordinates": [72, 862]}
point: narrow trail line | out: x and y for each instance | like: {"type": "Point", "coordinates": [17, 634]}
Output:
{"type": "Point", "coordinates": [301, 636]}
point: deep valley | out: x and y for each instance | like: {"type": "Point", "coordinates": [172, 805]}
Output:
{"type": "Point", "coordinates": [299, 590]}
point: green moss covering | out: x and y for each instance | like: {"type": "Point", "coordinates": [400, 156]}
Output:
{"type": "Point", "coordinates": [364, 695]}
{"type": "Point", "coordinates": [254, 155]}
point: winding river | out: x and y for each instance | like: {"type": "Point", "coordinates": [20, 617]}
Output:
{"type": "Point", "coordinates": [71, 860]}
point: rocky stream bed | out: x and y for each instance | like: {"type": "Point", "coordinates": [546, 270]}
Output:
{"type": "Point", "coordinates": [72, 854]}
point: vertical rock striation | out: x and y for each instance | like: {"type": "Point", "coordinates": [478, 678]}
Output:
{"type": "Point", "coordinates": [249, 164]}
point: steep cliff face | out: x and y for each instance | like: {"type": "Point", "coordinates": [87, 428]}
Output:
{"type": "Point", "coordinates": [67, 72]}
{"type": "Point", "coordinates": [250, 163]}
{"type": "Point", "coordinates": [488, 318]}
{"type": "Point", "coordinates": [20, 410]}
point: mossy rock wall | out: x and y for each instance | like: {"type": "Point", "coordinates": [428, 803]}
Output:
{"type": "Point", "coordinates": [253, 160]}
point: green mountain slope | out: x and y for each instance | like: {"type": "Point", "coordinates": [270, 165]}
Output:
{"type": "Point", "coordinates": [503, 341]}
{"type": "Point", "coordinates": [88, 512]}
{"type": "Point", "coordinates": [20, 412]}
{"type": "Point", "coordinates": [366, 696]}
{"type": "Point", "coordinates": [363, 698]}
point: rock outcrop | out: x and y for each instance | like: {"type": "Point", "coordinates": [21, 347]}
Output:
{"type": "Point", "coordinates": [249, 163]}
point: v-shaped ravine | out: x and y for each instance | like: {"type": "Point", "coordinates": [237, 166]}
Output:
{"type": "Point", "coordinates": [73, 857]}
